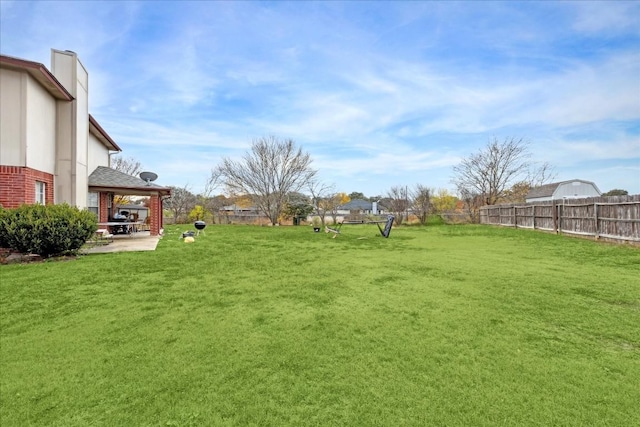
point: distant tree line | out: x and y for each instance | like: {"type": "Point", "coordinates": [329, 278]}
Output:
{"type": "Point", "coordinates": [276, 178]}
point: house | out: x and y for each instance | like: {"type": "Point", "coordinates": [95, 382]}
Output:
{"type": "Point", "coordinates": [361, 207]}
{"type": "Point", "coordinates": [52, 150]}
{"type": "Point", "coordinates": [572, 189]}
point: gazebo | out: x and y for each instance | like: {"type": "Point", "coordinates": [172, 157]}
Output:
{"type": "Point", "coordinates": [109, 182]}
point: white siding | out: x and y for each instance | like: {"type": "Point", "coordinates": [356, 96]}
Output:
{"type": "Point", "coordinates": [12, 117]}
{"type": "Point", "coordinates": [73, 130]}
{"type": "Point", "coordinates": [98, 155]}
{"type": "Point", "coordinates": [575, 189]}
{"type": "Point", "coordinates": [40, 128]}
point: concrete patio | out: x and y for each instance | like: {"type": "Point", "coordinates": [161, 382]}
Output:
{"type": "Point", "coordinates": [141, 241]}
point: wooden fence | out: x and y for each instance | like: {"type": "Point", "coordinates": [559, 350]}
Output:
{"type": "Point", "coordinates": [615, 217]}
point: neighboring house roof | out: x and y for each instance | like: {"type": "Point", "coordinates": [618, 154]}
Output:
{"type": "Point", "coordinates": [357, 205]}
{"type": "Point", "coordinates": [107, 179]}
{"type": "Point", "coordinates": [102, 135]}
{"type": "Point", "coordinates": [39, 72]}
{"type": "Point", "coordinates": [546, 190]}
{"type": "Point", "coordinates": [239, 208]}
{"type": "Point", "coordinates": [360, 205]}
{"type": "Point", "coordinates": [549, 190]}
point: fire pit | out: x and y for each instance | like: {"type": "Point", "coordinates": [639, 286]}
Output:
{"type": "Point", "coordinates": [200, 225]}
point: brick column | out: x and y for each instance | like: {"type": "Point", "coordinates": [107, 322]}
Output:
{"type": "Point", "coordinates": [155, 215]}
{"type": "Point", "coordinates": [103, 215]}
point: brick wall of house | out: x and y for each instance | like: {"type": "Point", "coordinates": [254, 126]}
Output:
{"type": "Point", "coordinates": [17, 186]}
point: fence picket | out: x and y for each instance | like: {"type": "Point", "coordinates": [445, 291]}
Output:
{"type": "Point", "coordinates": [616, 218]}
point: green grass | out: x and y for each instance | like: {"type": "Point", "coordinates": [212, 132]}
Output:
{"type": "Point", "coordinates": [258, 326]}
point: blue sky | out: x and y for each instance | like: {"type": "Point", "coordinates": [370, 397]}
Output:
{"type": "Point", "coordinates": [380, 94]}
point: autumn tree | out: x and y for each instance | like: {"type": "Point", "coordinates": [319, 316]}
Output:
{"type": "Point", "coordinates": [443, 201]}
{"type": "Point", "coordinates": [268, 173]}
{"type": "Point", "coordinates": [517, 193]}
{"type": "Point", "coordinates": [197, 213]}
{"type": "Point", "coordinates": [490, 172]}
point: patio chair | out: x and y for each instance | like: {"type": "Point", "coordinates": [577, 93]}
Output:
{"type": "Point", "coordinates": [103, 236]}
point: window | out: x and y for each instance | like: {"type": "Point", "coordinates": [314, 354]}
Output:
{"type": "Point", "coordinates": [41, 192]}
{"type": "Point", "coordinates": [93, 204]}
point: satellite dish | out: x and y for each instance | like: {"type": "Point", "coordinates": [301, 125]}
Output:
{"type": "Point", "coordinates": [148, 176]}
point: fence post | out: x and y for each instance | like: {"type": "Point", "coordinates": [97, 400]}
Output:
{"type": "Point", "coordinates": [595, 215]}
{"type": "Point", "coordinates": [555, 217]}
{"type": "Point", "coordinates": [534, 217]}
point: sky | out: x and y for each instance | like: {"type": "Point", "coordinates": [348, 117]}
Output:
{"type": "Point", "coordinates": [380, 94]}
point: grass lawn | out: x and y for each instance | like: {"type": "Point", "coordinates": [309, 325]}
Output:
{"type": "Point", "coordinates": [258, 326]}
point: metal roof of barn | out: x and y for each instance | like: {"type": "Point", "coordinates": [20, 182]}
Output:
{"type": "Point", "coordinates": [548, 190]}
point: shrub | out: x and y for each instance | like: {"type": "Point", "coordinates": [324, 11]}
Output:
{"type": "Point", "coordinates": [46, 230]}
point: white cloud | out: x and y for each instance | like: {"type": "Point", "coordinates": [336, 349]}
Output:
{"type": "Point", "coordinates": [609, 17]}
{"type": "Point", "coordinates": [401, 89]}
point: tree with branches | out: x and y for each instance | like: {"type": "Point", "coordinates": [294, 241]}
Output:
{"type": "Point", "coordinates": [181, 202]}
{"type": "Point", "coordinates": [320, 194]}
{"type": "Point", "coordinates": [210, 202]}
{"type": "Point", "coordinates": [486, 176]}
{"type": "Point", "coordinates": [333, 202]}
{"type": "Point", "coordinates": [398, 202]}
{"type": "Point", "coordinates": [421, 202]}
{"type": "Point", "coordinates": [129, 165]}
{"type": "Point", "coordinates": [298, 206]}
{"type": "Point", "coordinates": [268, 173]}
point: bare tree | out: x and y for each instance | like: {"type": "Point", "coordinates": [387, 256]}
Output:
{"type": "Point", "coordinates": [130, 166]}
{"type": "Point", "coordinates": [211, 203]}
{"type": "Point", "coordinates": [332, 203]}
{"type": "Point", "coordinates": [181, 202]}
{"type": "Point", "coordinates": [398, 201]}
{"type": "Point", "coordinates": [268, 173]}
{"type": "Point", "coordinates": [421, 205]}
{"type": "Point", "coordinates": [320, 193]}
{"type": "Point", "coordinates": [472, 204]}
{"type": "Point", "coordinates": [490, 172]}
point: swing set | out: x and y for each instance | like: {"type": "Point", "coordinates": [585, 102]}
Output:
{"type": "Point", "coordinates": [383, 231]}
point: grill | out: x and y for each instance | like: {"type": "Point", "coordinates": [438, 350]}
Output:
{"type": "Point", "coordinates": [200, 225]}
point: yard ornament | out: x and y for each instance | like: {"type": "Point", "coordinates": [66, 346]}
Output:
{"type": "Point", "coordinates": [383, 231]}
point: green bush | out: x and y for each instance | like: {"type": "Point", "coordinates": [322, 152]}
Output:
{"type": "Point", "coordinates": [46, 230]}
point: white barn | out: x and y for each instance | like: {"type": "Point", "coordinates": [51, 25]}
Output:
{"type": "Point", "coordinates": [572, 189]}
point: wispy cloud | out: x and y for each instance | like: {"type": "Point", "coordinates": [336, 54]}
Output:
{"type": "Point", "coordinates": [381, 93]}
